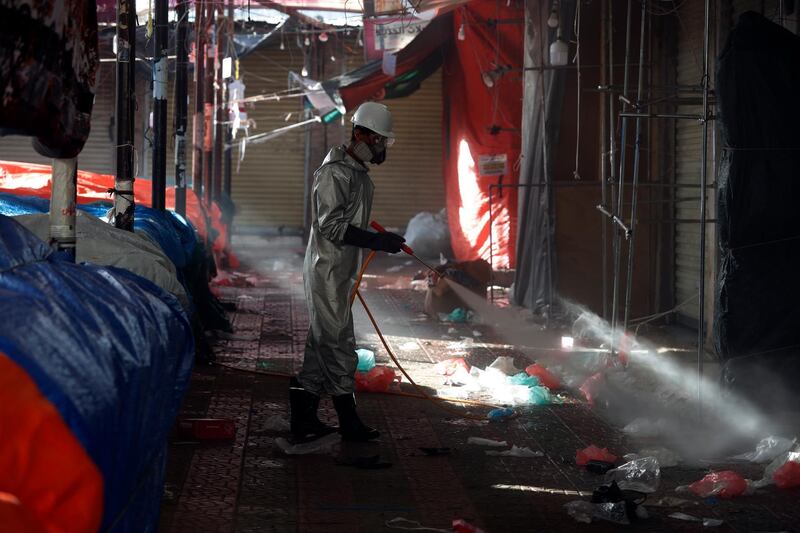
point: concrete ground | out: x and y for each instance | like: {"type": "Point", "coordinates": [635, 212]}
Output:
{"type": "Point", "coordinates": [249, 485]}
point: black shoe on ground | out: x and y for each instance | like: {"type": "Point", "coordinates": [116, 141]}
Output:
{"type": "Point", "coordinates": [303, 420]}
{"type": "Point", "coordinates": [350, 425]}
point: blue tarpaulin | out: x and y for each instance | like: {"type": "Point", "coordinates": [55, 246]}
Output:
{"type": "Point", "coordinates": [113, 353]}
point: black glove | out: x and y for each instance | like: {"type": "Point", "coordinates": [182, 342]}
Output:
{"type": "Point", "coordinates": [385, 242]}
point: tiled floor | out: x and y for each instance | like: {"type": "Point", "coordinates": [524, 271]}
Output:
{"type": "Point", "coordinates": [248, 485]}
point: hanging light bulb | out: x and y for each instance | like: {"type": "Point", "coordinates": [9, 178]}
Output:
{"type": "Point", "coordinates": [323, 37]}
{"type": "Point", "coordinates": [553, 20]}
{"type": "Point", "coordinates": [304, 72]}
{"type": "Point", "coordinates": [462, 34]}
{"type": "Point", "coordinates": [559, 52]}
{"type": "Point", "coordinates": [307, 41]}
{"type": "Point", "coordinates": [333, 59]}
{"type": "Point", "coordinates": [283, 47]}
{"type": "Point", "coordinates": [488, 79]}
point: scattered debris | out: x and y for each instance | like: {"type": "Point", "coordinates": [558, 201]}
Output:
{"type": "Point", "coordinates": [323, 445]}
{"type": "Point", "coordinates": [707, 522]}
{"type": "Point", "coordinates": [725, 484]}
{"type": "Point", "coordinates": [448, 367]}
{"type": "Point", "coordinates": [641, 475]}
{"type": "Point", "coordinates": [505, 365]}
{"type": "Point", "coordinates": [779, 465]}
{"type": "Point", "coordinates": [394, 269]}
{"type": "Point", "coordinates": [459, 315]}
{"type": "Point", "coordinates": [420, 285]}
{"type": "Point", "coordinates": [645, 428]}
{"type": "Point", "coordinates": [379, 379]}
{"type": "Point", "coordinates": [501, 414]}
{"type": "Point", "coordinates": [366, 360]}
{"type": "Point", "coordinates": [547, 378]}
{"type": "Point", "coordinates": [585, 512]}
{"type": "Point", "coordinates": [582, 457]}
{"type": "Point", "coordinates": [476, 333]}
{"type": "Point", "coordinates": [768, 450]}
{"type": "Point", "coordinates": [516, 451]}
{"type": "Point", "coordinates": [670, 501]}
{"type": "Point", "coordinates": [666, 458]}
{"type": "Point", "coordinates": [276, 423]}
{"type": "Point", "coordinates": [479, 441]}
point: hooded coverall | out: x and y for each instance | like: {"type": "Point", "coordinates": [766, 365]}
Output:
{"type": "Point", "coordinates": [341, 195]}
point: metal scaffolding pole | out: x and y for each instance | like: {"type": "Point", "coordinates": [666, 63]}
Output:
{"type": "Point", "coordinates": [617, 209]}
{"type": "Point", "coordinates": [635, 184]}
{"type": "Point", "coordinates": [226, 171]}
{"type": "Point", "coordinates": [219, 114]}
{"type": "Point", "coordinates": [181, 93]}
{"type": "Point", "coordinates": [199, 98]}
{"type": "Point", "coordinates": [208, 104]}
{"type": "Point", "coordinates": [701, 342]}
{"type": "Point", "coordinates": [125, 109]}
{"type": "Point", "coordinates": [605, 36]}
{"type": "Point", "coordinates": [159, 182]}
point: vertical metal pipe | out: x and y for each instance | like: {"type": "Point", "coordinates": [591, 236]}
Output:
{"type": "Point", "coordinates": [199, 98]}
{"type": "Point", "coordinates": [620, 184]}
{"type": "Point", "coordinates": [208, 104]}
{"type": "Point", "coordinates": [701, 341]}
{"type": "Point", "coordinates": [219, 110]}
{"type": "Point", "coordinates": [62, 203]}
{"type": "Point", "coordinates": [491, 245]}
{"type": "Point", "coordinates": [226, 171]}
{"type": "Point", "coordinates": [159, 182]}
{"type": "Point", "coordinates": [635, 184]}
{"type": "Point", "coordinates": [125, 109]}
{"type": "Point", "coordinates": [181, 92]}
{"type": "Point", "coordinates": [604, 155]}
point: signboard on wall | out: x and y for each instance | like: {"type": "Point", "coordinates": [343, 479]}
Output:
{"type": "Point", "coordinates": [493, 165]}
{"type": "Point", "coordinates": [390, 34]}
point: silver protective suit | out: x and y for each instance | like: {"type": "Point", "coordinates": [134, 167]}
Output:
{"type": "Point", "coordinates": [342, 195]}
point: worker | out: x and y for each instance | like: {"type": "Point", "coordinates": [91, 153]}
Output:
{"type": "Point", "coordinates": [341, 202]}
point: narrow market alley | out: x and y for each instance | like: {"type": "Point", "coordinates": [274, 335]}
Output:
{"type": "Point", "coordinates": [249, 485]}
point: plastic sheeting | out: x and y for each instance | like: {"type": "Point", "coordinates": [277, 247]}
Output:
{"type": "Point", "coordinates": [111, 351]}
{"type": "Point", "coordinates": [757, 311]}
{"type": "Point", "coordinates": [30, 180]}
{"type": "Point", "coordinates": [482, 122]}
{"type": "Point", "coordinates": [103, 244]}
{"type": "Point", "coordinates": [534, 282]}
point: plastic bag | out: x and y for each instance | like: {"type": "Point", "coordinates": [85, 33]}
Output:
{"type": "Point", "coordinates": [593, 453]}
{"type": "Point", "coordinates": [524, 379]}
{"type": "Point", "coordinates": [788, 476]}
{"type": "Point", "coordinates": [500, 414]}
{"type": "Point", "coordinates": [516, 451]}
{"type": "Point", "coordinates": [547, 378]}
{"type": "Point", "coordinates": [505, 365]}
{"type": "Point", "coordinates": [724, 484]}
{"type": "Point", "coordinates": [641, 475]}
{"type": "Point", "coordinates": [592, 386]}
{"type": "Point", "coordinates": [646, 428]}
{"type": "Point", "coordinates": [448, 367]}
{"type": "Point", "coordinates": [666, 458]}
{"type": "Point", "coordinates": [462, 526]}
{"type": "Point", "coordinates": [768, 449]}
{"type": "Point", "coordinates": [322, 445]}
{"type": "Point", "coordinates": [479, 441]}
{"type": "Point", "coordinates": [774, 466]}
{"type": "Point", "coordinates": [366, 360]}
{"type": "Point", "coordinates": [379, 379]}
{"type": "Point", "coordinates": [583, 511]}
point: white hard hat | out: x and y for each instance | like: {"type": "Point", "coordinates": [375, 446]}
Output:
{"type": "Point", "coordinates": [375, 117]}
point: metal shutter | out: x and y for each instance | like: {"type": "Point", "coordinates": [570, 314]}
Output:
{"type": "Point", "coordinates": [98, 152]}
{"type": "Point", "coordinates": [269, 184]}
{"type": "Point", "coordinates": [688, 137]}
{"type": "Point", "coordinates": [411, 179]}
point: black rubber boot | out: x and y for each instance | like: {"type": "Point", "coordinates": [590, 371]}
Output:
{"type": "Point", "coordinates": [303, 419]}
{"type": "Point", "coordinates": [350, 426]}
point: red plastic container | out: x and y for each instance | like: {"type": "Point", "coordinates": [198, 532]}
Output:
{"type": "Point", "coordinates": [207, 428]}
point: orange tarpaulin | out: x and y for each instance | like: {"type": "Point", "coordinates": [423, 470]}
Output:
{"type": "Point", "coordinates": [27, 179]}
{"type": "Point", "coordinates": [48, 479]}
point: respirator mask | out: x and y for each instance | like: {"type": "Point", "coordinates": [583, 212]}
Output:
{"type": "Point", "coordinates": [375, 153]}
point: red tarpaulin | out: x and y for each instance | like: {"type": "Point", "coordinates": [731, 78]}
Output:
{"type": "Point", "coordinates": [482, 124]}
{"type": "Point", "coordinates": [28, 179]}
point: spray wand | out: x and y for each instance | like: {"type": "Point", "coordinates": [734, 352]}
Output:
{"type": "Point", "coordinates": [407, 249]}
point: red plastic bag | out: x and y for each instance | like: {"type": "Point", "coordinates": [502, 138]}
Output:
{"type": "Point", "coordinates": [725, 484]}
{"type": "Point", "coordinates": [593, 453]}
{"type": "Point", "coordinates": [462, 526]}
{"type": "Point", "coordinates": [788, 476]}
{"type": "Point", "coordinates": [591, 387]}
{"type": "Point", "coordinates": [379, 379]}
{"type": "Point", "coordinates": [448, 367]}
{"type": "Point", "coordinates": [546, 377]}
